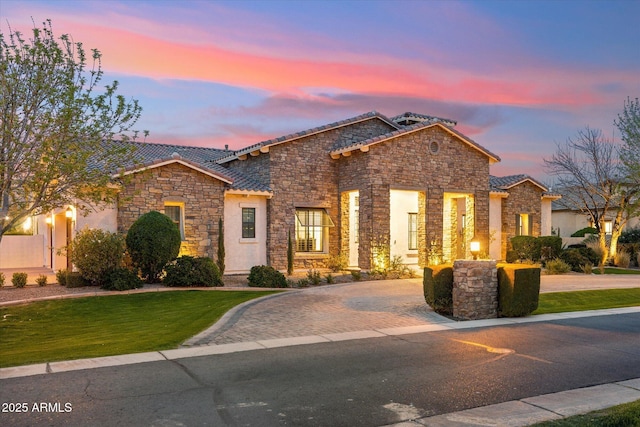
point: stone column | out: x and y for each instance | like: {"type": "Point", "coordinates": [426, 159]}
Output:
{"type": "Point", "coordinates": [475, 290]}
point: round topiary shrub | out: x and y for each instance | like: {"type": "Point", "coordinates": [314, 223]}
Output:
{"type": "Point", "coordinates": [95, 253]}
{"type": "Point", "coordinates": [153, 241]}
{"type": "Point", "coordinates": [190, 271]}
{"type": "Point", "coordinates": [265, 276]}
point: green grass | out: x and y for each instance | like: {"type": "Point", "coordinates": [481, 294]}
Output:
{"type": "Point", "coordinates": [46, 331]}
{"type": "Point", "coordinates": [558, 302]}
{"type": "Point", "coordinates": [611, 270]}
{"type": "Point", "coordinates": [627, 415]}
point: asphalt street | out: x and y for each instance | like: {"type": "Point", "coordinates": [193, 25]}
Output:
{"type": "Point", "coordinates": [366, 382]}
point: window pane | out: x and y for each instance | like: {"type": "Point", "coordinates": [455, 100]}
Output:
{"type": "Point", "coordinates": [413, 231]}
{"type": "Point", "coordinates": [248, 223]}
{"type": "Point", "coordinates": [175, 213]}
{"type": "Point", "coordinates": [310, 229]}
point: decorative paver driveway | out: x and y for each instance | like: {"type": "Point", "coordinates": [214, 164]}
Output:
{"type": "Point", "coordinates": [324, 310]}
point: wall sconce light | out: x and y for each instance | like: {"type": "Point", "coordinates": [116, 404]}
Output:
{"type": "Point", "coordinates": [69, 212]}
{"type": "Point", "coordinates": [474, 247]}
{"type": "Point", "coordinates": [48, 220]}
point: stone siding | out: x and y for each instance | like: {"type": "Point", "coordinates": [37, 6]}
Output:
{"type": "Point", "coordinates": [202, 197]}
{"type": "Point", "coordinates": [475, 290]}
{"type": "Point", "coordinates": [407, 163]}
{"type": "Point", "coordinates": [524, 198]}
{"type": "Point", "coordinates": [302, 174]}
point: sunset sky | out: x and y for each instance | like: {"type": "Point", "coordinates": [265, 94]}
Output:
{"type": "Point", "coordinates": [518, 76]}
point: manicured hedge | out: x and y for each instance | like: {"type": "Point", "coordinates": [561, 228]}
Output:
{"type": "Point", "coordinates": [534, 248]}
{"type": "Point", "coordinates": [518, 289]}
{"type": "Point", "coordinates": [437, 284]}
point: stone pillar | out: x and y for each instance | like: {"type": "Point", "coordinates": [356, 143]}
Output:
{"type": "Point", "coordinates": [475, 290]}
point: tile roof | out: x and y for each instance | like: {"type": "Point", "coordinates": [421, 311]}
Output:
{"type": "Point", "coordinates": [410, 129]}
{"type": "Point", "coordinates": [420, 118]}
{"type": "Point", "coordinates": [304, 133]}
{"type": "Point", "coordinates": [503, 183]}
{"type": "Point", "coordinates": [147, 155]}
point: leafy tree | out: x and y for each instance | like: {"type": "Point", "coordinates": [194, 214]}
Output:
{"type": "Point", "coordinates": [590, 177]}
{"type": "Point", "coordinates": [153, 241]}
{"type": "Point", "coordinates": [628, 124]}
{"type": "Point", "coordinates": [55, 125]}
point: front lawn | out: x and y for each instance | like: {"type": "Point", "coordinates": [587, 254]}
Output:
{"type": "Point", "coordinates": [627, 414]}
{"type": "Point", "coordinates": [46, 331]}
{"type": "Point", "coordinates": [558, 302]}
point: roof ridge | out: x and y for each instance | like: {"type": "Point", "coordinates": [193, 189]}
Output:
{"type": "Point", "coordinates": [307, 132]}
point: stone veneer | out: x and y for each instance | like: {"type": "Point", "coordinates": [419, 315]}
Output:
{"type": "Point", "coordinates": [302, 174]}
{"type": "Point", "coordinates": [201, 196]}
{"type": "Point", "coordinates": [406, 163]}
{"type": "Point", "coordinates": [475, 290]}
{"type": "Point", "coordinates": [525, 198]}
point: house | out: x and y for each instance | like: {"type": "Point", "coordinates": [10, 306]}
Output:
{"type": "Point", "coordinates": [370, 188]}
{"type": "Point", "coordinates": [567, 220]}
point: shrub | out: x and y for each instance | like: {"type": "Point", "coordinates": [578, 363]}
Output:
{"type": "Point", "coordinates": [41, 280]}
{"type": "Point", "coordinates": [337, 263]}
{"type": "Point", "coordinates": [19, 280]}
{"type": "Point", "coordinates": [314, 277]}
{"type": "Point", "coordinates": [550, 246]}
{"type": "Point", "coordinates": [525, 247]}
{"type": "Point", "coordinates": [61, 277]}
{"type": "Point", "coordinates": [191, 271]}
{"type": "Point", "coordinates": [122, 279]}
{"type": "Point", "coordinates": [265, 276]}
{"type": "Point", "coordinates": [329, 278]}
{"type": "Point", "coordinates": [587, 268]}
{"type": "Point", "coordinates": [356, 275]}
{"type": "Point", "coordinates": [153, 241]}
{"type": "Point", "coordinates": [558, 266]}
{"type": "Point", "coordinates": [289, 254]}
{"type": "Point", "coordinates": [584, 231]}
{"type": "Point", "coordinates": [437, 284]}
{"type": "Point", "coordinates": [518, 290]}
{"type": "Point", "coordinates": [221, 251]}
{"type": "Point", "coordinates": [577, 257]}
{"type": "Point", "coordinates": [96, 252]}
{"type": "Point", "coordinates": [73, 279]}
{"type": "Point", "coordinates": [622, 259]}
{"type": "Point", "coordinates": [2, 279]}
{"type": "Point", "coordinates": [302, 283]}
{"type": "Point", "coordinates": [631, 235]}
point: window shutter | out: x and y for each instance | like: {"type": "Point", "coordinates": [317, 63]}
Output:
{"type": "Point", "coordinates": [518, 224]}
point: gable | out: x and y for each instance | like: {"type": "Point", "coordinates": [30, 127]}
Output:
{"type": "Point", "coordinates": [365, 145]}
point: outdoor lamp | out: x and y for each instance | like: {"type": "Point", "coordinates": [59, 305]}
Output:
{"type": "Point", "coordinates": [474, 247]}
{"type": "Point", "coordinates": [69, 212]}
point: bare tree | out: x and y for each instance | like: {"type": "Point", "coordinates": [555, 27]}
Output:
{"type": "Point", "coordinates": [56, 125]}
{"type": "Point", "coordinates": [591, 178]}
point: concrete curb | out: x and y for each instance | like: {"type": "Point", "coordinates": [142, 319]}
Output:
{"type": "Point", "coordinates": [531, 410]}
{"type": "Point", "coordinates": [196, 351]}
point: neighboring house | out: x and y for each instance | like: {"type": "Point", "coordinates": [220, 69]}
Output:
{"type": "Point", "coordinates": [369, 187]}
{"type": "Point", "coordinates": [567, 221]}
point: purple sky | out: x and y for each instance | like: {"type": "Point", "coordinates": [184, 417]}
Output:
{"type": "Point", "coordinates": [518, 76]}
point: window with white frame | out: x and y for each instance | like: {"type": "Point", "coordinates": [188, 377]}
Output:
{"type": "Point", "coordinates": [312, 230]}
{"type": "Point", "coordinates": [175, 211]}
